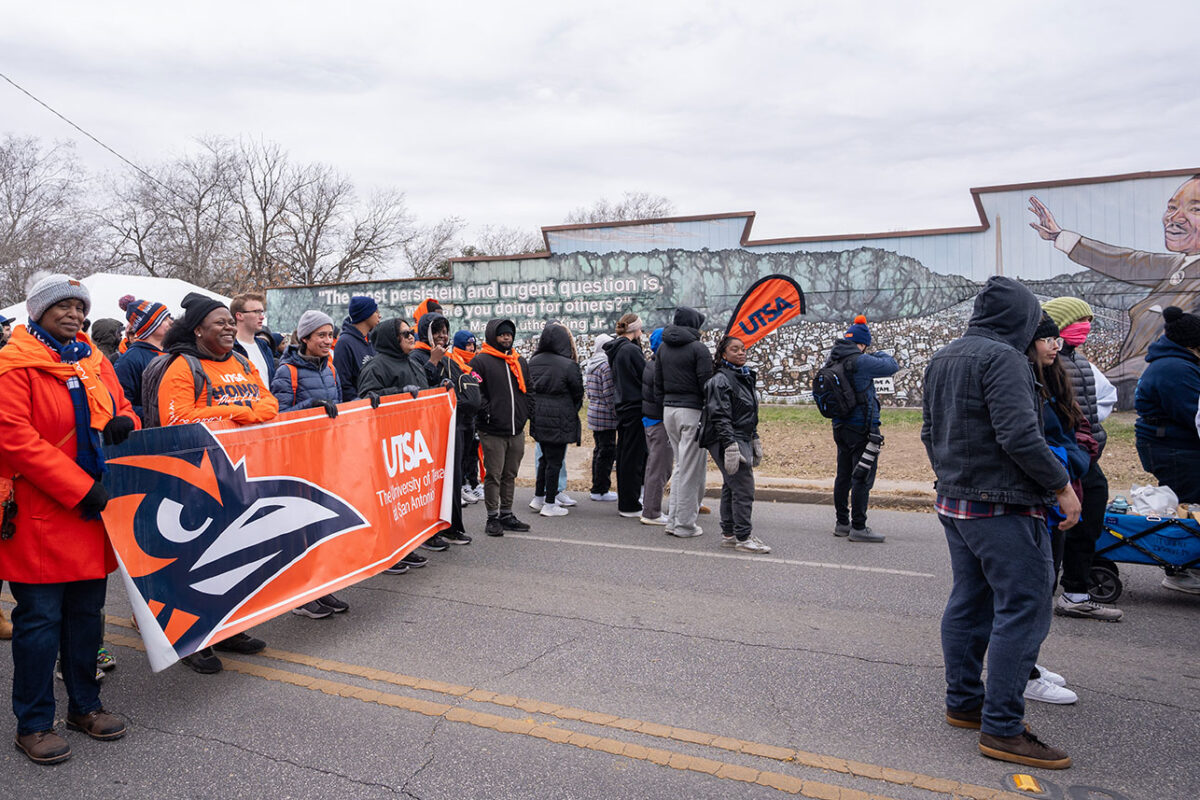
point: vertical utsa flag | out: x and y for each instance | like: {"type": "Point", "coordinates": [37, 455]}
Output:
{"type": "Point", "coordinates": [767, 305]}
{"type": "Point", "coordinates": [218, 528]}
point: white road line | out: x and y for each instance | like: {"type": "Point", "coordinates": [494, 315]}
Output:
{"type": "Point", "coordinates": [767, 559]}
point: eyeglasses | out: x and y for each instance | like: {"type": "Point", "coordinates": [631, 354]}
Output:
{"type": "Point", "coordinates": [1053, 340]}
{"type": "Point", "coordinates": [262, 312]}
{"type": "Point", "coordinates": [407, 334]}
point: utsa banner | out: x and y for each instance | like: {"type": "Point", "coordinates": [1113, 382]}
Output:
{"type": "Point", "coordinates": [765, 306]}
{"type": "Point", "coordinates": [218, 528]}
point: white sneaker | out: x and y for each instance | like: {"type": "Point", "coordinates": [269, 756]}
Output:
{"type": "Point", "coordinates": [684, 534]}
{"type": "Point", "coordinates": [728, 541]}
{"type": "Point", "coordinates": [478, 492]}
{"type": "Point", "coordinates": [752, 545]}
{"type": "Point", "coordinates": [553, 510]}
{"type": "Point", "coordinates": [565, 500]}
{"type": "Point", "coordinates": [660, 520]}
{"type": "Point", "coordinates": [1044, 691]}
{"type": "Point", "coordinates": [607, 497]}
{"type": "Point", "coordinates": [537, 503]}
{"type": "Point", "coordinates": [1050, 677]}
{"type": "Point", "coordinates": [1185, 582]}
{"type": "Point", "coordinates": [630, 514]}
{"type": "Point", "coordinates": [467, 496]}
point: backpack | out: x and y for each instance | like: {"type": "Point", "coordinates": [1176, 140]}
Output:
{"type": "Point", "coordinates": [153, 375]}
{"type": "Point", "coordinates": [470, 396]}
{"type": "Point", "coordinates": [296, 377]}
{"type": "Point", "coordinates": [833, 389]}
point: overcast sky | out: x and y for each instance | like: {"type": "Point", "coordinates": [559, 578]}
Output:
{"type": "Point", "coordinates": [824, 118]}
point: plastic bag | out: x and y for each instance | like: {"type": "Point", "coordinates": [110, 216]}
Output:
{"type": "Point", "coordinates": [1148, 500]}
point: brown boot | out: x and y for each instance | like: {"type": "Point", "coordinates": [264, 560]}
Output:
{"type": "Point", "coordinates": [5, 626]}
{"type": "Point", "coordinates": [44, 747]}
{"type": "Point", "coordinates": [99, 724]}
{"type": "Point", "coordinates": [1024, 748]}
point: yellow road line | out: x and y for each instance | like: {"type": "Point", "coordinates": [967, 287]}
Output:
{"type": "Point", "coordinates": [529, 727]}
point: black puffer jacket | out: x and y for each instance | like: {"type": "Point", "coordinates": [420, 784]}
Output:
{"type": "Point", "coordinates": [557, 388]}
{"type": "Point", "coordinates": [505, 408]}
{"type": "Point", "coordinates": [730, 408]}
{"type": "Point", "coordinates": [684, 363]}
{"type": "Point", "coordinates": [652, 405]}
{"type": "Point", "coordinates": [627, 362]}
{"type": "Point", "coordinates": [391, 369]}
{"type": "Point", "coordinates": [1083, 381]}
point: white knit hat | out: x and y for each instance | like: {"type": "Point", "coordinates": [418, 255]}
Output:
{"type": "Point", "coordinates": [53, 289]}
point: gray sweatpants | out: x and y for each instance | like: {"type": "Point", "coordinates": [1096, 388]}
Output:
{"type": "Point", "coordinates": [687, 481]}
{"type": "Point", "coordinates": [658, 470]}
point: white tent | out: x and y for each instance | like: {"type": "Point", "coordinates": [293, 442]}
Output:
{"type": "Point", "coordinates": [106, 289]}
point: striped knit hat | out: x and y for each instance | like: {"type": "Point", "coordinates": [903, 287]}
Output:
{"type": "Point", "coordinates": [1065, 310]}
{"type": "Point", "coordinates": [144, 317]}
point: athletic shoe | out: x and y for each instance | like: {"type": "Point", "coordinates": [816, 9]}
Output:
{"type": "Point", "coordinates": [204, 661]}
{"type": "Point", "coordinates": [399, 568]}
{"type": "Point", "coordinates": [242, 643]}
{"type": "Point", "coordinates": [1024, 748]}
{"type": "Point", "coordinates": [435, 544]}
{"type": "Point", "coordinates": [696, 531]}
{"type": "Point", "coordinates": [414, 560]}
{"type": "Point", "coordinates": [1044, 691]}
{"type": "Point", "coordinates": [1183, 582]}
{"type": "Point", "coordinates": [509, 522]}
{"type": "Point", "coordinates": [478, 492]}
{"type": "Point", "coordinates": [333, 604]}
{"type": "Point", "coordinates": [493, 527]}
{"type": "Point", "coordinates": [552, 510]}
{"type": "Point", "coordinates": [1088, 609]}
{"type": "Point", "coordinates": [607, 497]}
{"type": "Point", "coordinates": [1050, 677]}
{"type": "Point", "coordinates": [313, 610]}
{"type": "Point", "coordinates": [456, 537]}
{"type": "Point", "coordinates": [865, 535]}
{"type": "Point", "coordinates": [841, 529]}
{"type": "Point", "coordinates": [537, 502]}
{"type": "Point", "coordinates": [467, 495]}
{"type": "Point", "coordinates": [705, 509]}
{"type": "Point", "coordinates": [728, 541]}
{"type": "Point", "coordinates": [660, 520]}
{"type": "Point", "coordinates": [105, 660]}
{"type": "Point", "coordinates": [631, 514]}
{"type": "Point", "coordinates": [564, 499]}
{"type": "Point", "coordinates": [752, 545]}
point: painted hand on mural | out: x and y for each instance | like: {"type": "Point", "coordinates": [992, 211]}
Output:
{"type": "Point", "coordinates": [1046, 226]}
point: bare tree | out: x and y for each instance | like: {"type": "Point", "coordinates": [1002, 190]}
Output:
{"type": "Point", "coordinates": [268, 191]}
{"type": "Point", "coordinates": [44, 223]}
{"type": "Point", "coordinates": [501, 240]}
{"type": "Point", "coordinates": [429, 250]}
{"type": "Point", "coordinates": [633, 205]}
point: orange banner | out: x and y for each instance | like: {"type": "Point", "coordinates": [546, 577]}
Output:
{"type": "Point", "coordinates": [767, 305]}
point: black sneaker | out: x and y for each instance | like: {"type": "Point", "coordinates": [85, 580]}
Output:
{"type": "Point", "coordinates": [399, 568]}
{"type": "Point", "coordinates": [204, 661]}
{"type": "Point", "coordinates": [435, 543]}
{"type": "Point", "coordinates": [313, 610]}
{"type": "Point", "coordinates": [493, 527]}
{"type": "Point", "coordinates": [456, 537]}
{"type": "Point", "coordinates": [510, 522]}
{"type": "Point", "coordinates": [242, 643]}
{"type": "Point", "coordinates": [333, 604]}
{"type": "Point", "coordinates": [413, 560]}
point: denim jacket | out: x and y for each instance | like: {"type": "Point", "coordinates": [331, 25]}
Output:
{"type": "Point", "coordinates": [982, 417]}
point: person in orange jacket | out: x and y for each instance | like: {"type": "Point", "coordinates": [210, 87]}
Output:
{"type": "Point", "coordinates": [233, 390]}
{"type": "Point", "coordinates": [60, 405]}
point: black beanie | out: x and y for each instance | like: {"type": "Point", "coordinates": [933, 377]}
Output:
{"type": "Point", "coordinates": [1181, 328]}
{"type": "Point", "coordinates": [1045, 329]}
{"type": "Point", "coordinates": [196, 307]}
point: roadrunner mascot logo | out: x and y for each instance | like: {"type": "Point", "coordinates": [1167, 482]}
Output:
{"type": "Point", "coordinates": [207, 536]}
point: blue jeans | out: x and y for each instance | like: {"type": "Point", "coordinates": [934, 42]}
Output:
{"type": "Point", "coordinates": [999, 604]}
{"type": "Point", "coordinates": [50, 618]}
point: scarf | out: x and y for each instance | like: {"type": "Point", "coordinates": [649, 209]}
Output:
{"type": "Point", "coordinates": [1076, 333]}
{"type": "Point", "coordinates": [742, 370]}
{"type": "Point", "coordinates": [422, 346]}
{"type": "Point", "coordinates": [462, 357]}
{"type": "Point", "coordinates": [514, 362]}
{"type": "Point", "coordinates": [78, 367]}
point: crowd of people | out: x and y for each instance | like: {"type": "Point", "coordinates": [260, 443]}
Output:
{"type": "Point", "coordinates": [1013, 417]}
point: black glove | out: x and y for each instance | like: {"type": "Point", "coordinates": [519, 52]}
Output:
{"type": "Point", "coordinates": [374, 398]}
{"type": "Point", "coordinates": [329, 406]}
{"type": "Point", "coordinates": [94, 501]}
{"type": "Point", "coordinates": [448, 384]}
{"type": "Point", "coordinates": [117, 430]}
{"type": "Point", "coordinates": [412, 389]}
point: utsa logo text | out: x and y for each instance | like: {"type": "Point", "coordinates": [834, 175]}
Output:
{"type": "Point", "coordinates": [768, 313]}
{"type": "Point", "coordinates": [404, 452]}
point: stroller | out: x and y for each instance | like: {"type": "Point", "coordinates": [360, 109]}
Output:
{"type": "Point", "coordinates": [1167, 542]}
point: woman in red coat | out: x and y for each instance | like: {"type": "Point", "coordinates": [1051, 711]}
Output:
{"type": "Point", "coordinates": [60, 403]}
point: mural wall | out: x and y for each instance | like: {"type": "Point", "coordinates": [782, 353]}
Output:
{"type": "Point", "coordinates": [1127, 244]}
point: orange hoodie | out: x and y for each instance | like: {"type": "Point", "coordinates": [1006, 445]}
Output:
{"type": "Point", "coordinates": [237, 394]}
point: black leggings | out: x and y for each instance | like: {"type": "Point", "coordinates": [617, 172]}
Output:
{"type": "Point", "coordinates": [549, 468]}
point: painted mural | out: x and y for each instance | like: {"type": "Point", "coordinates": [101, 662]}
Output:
{"type": "Point", "coordinates": [1102, 239]}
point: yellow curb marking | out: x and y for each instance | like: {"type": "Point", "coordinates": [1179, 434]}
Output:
{"type": "Point", "coordinates": [550, 732]}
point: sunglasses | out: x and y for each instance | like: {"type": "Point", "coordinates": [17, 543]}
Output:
{"type": "Point", "coordinates": [407, 334]}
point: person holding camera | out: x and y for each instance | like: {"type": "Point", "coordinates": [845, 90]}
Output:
{"type": "Point", "coordinates": [857, 434]}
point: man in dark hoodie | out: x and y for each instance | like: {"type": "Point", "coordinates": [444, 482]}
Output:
{"type": "Point", "coordinates": [627, 363]}
{"type": "Point", "coordinates": [996, 475]}
{"type": "Point", "coordinates": [684, 366]}
{"type": "Point", "coordinates": [506, 406]}
{"type": "Point", "coordinates": [353, 349]}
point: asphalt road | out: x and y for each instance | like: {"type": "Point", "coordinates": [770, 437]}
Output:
{"type": "Point", "coordinates": [713, 674]}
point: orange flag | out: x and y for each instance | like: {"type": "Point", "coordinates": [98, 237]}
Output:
{"type": "Point", "coordinates": [768, 304]}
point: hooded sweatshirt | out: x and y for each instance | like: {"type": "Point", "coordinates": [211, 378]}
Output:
{"type": "Point", "coordinates": [684, 363]}
{"type": "Point", "coordinates": [982, 416]}
{"type": "Point", "coordinates": [505, 408]}
{"type": "Point", "coordinates": [1168, 398]}
{"type": "Point", "coordinates": [627, 364]}
{"type": "Point", "coordinates": [391, 370]}
{"type": "Point", "coordinates": [350, 355]}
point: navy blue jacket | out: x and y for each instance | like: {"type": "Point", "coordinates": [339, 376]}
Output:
{"type": "Point", "coordinates": [1167, 397]}
{"type": "Point", "coordinates": [314, 381]}
{"type": "Point", "coordinates": [130, 368]}
{"type": "Point", "coordinates": [350, 355]}
{"type": "Point", "coordinates": [982, 416]}
{"type": "Point", "coordinates": [867, 367]}
{"type": "Point", "coordinates": [267, 353]}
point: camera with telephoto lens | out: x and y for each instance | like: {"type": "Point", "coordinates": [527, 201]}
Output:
{"type": "Point", "coordinates": [867, 462]}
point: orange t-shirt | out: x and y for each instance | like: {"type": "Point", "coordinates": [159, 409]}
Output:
{"type": "Point", "coordinates": [237, 394]}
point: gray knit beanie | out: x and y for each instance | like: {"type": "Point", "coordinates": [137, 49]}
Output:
{"type": "Point", "coordinates": [310, 321]}
{"type": "Point", "coordinates": [53, 289]}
